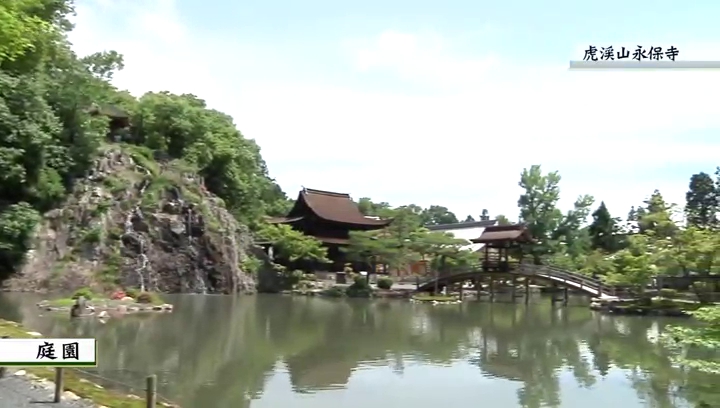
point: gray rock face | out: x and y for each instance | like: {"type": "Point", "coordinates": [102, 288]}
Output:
{"type": "Point", "coordinates": [151, 229]}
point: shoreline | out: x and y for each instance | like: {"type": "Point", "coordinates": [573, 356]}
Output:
{"type": "Point", "coordinates": [656, 307]}
{"type": "Point", "coordinates": [76, 387]}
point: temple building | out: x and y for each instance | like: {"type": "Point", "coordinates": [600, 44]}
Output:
{"type": "Point", "coordinates": [329, 217]}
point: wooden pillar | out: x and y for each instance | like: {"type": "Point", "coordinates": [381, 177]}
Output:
{"type": "Point", "coordinates": [487, 254]}
{"type": "Point", "coordinates": [565, 295]}
{"type": "Point", "coordinates": [527, 290]}
{"type": "Point", "coordinates": [59, 384]}
{"type": "Point", "coordinates": [462, 290]}
{"type": "Point", "coordinates": [151, 391]}
{"type": "Point", "coordinates": [491, 288]}
{"type": "Point", "coordinates": [553, 295]}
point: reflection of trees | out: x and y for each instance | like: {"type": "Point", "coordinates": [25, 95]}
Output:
{"type": "Point", "coordinates": [219, 351]}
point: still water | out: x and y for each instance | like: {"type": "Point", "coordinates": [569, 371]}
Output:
{"type": "Point", "coordinates": [277, 351]}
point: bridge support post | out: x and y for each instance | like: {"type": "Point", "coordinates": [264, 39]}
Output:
{"type": "Point", "coordinates": [565, 295]}
{"type": "Point", "coordinates": [527, 290]}
{"type": "Point", "coordinates": [478, 288]}
{"type": "Point", "coordinates": [514, 287]}
{"type": "Point", "coordinates": [553, 295]}
{"type": "Point", "coordinates": [491, 288]}
{"type": "Point", "coordinates": [462, 291]}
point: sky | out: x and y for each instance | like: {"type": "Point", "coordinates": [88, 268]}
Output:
{"type": "Point", "coordinates": [435, 103]}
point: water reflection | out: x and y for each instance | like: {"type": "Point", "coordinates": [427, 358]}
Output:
{"type": "Point", "coordinates": [237, 352]}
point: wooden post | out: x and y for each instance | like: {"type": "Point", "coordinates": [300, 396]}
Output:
{"type": "Point", "coordinates": [527, 290]}
{"type": "Point", "coordinates": [553, 296]}
{"type": "Point", "coordinates": [151, 391]}
{"type": "Point", "coordinates": [478, 287]}
{"type": "Point", "coordinates": [3, 370]}
{"type": "Point", "coordinates": [462, 290]}
{"type": "Point", "coordinates": [565, 295]}
{"type": "Point", "coordinates": [492, 288]}
{"type": "Point", "coordinates": [59, 384]}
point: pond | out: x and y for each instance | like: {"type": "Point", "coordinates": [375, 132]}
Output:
{"type": "Point", "coordinates": [278, 351]}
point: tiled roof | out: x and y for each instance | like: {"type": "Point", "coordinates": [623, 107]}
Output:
{"type": "Point", "coordinates": [498, 233]}
{"type": "Point", "coordinates": [461, 225]}
{"type": "Point", "coordinates": [336, 207]}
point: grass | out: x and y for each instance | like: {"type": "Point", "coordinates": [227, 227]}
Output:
{"type": "Point", "coordinates": [436, 298]}
{"type": "Point", "coordinates": [73, 381]}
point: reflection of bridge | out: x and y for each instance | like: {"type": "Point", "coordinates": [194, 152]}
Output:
{"type": "Point", "coordinates": [503, 254]}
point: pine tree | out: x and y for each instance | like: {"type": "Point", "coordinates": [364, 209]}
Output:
{"type": "Point", "coordinates": [603, 230]}
{"type": "Point", "coordinates": [701, 201]}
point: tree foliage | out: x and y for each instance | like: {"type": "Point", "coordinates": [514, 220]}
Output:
{"type": "Point", "coordinates": [54, 109]}
{"type": "Point", "coordinates": [404, 241]}
{"type": "Point", "coordinates": [292, 245]}
{"type": "Point", "coordinates": [702, 203]}
{"type": "Point", "coordinates": [604, 230]}
{"type": "Point", "coordinates": [539, 211]}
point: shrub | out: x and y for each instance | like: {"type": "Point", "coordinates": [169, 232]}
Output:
{"type": "Point", "coordinates": [359, 288]}
{"type": "Point", "coordinates": [334, 291]}
{"type": "Point", "coordinates": [148, 298]}
{"type": "Point", "coordinates": [668, 293]}
{"type": "Point", "coordinates": [132, 292]}
{"type": "Point", "coordinates": [385, 283]}
{"type": "Point", "coordinates": [84, 292]}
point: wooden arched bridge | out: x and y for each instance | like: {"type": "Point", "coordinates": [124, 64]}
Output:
{"type": "Point", "coordinates": [502, 258]}
{"type": "Point", "coordinates": [556, 276]}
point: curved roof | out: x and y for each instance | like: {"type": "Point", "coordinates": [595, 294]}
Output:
{"type": "Point", "coordinates": [503, 233]}
{"type": "Point", "coordinates": [335, 207]}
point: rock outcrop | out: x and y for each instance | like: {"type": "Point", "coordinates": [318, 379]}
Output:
{"type": "Point", "coordinates": [140, 223]}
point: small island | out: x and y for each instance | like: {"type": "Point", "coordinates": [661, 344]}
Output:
{"type": "Point", "coordinates": [85, 303]}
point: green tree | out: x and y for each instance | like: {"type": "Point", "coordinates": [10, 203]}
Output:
{"type": "Point", "coordinates": [656, 217]}
{"type": "Point", "coordinates": [17, 222]}
{"type": "Point", "coordinates": [183, 127]}
{"type": "Point", "coordinates": [22, 29]}
{"type": "Point", "coordinates": [604, 230]}
{"type": "Point", "coordinates": [572, 232]}
{"type": "Point", "coordinates": [469, 218]}
{"type": "Point", "coordinates": [437, 215]}
{"type": "Point", "coordinates": [635, 266]}
{"type": "Point", "coordinates": [502, 220]}
{"type": "Point", "coordinates": [690, 249]}
{"type": "Point", "coordinates": [701, 201]}
{"type": "Point", "coordinates": [293, 245]}
{"type": "Point", "coordinates": [538, 209]}
{"type": "Point", "coordinates": [393, 244]}
{"type": "Point", "coordinates": [484, 215]}
{"type": "Point", "coordinates": [596, 264]}
{"type": "Point", "coordinates": [631, 221]}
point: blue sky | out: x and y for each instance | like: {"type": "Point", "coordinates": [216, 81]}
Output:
{"type": "Point", "coordinates": [434, 102]}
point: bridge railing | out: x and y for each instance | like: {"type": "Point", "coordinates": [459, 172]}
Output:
{"type": "Point", "coordinates": [534, 270]}
{"type": "Point", "coordinates": [574, 277]}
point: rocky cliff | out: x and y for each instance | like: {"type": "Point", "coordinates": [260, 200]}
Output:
{"type": "Point", "coordinates": [139, 222]}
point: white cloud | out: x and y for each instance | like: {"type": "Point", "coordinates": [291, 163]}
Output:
{"type": "Point", "coordinates": [462, 144]}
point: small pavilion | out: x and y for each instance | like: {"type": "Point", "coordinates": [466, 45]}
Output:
{"type": "Point", "coordinates": [502, 246]}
